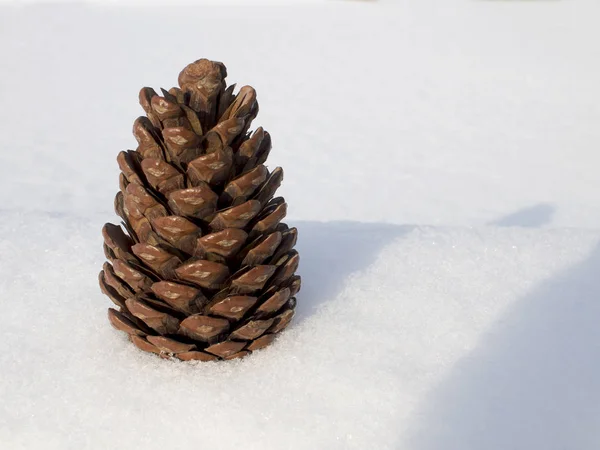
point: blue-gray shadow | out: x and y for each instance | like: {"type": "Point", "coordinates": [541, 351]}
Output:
{"type": "Point", "coordinates": [331, 251]}
{"type": "Point", "coordinates": [533, 383]}
{"type": "Point", "coordinates": [530, 217]}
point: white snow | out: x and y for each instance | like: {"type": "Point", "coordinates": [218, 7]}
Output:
{"type": "Point", "coordinates": [441, 163]}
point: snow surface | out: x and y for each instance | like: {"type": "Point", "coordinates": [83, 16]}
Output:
{"type": "Point", "coordinates": [441, 164]}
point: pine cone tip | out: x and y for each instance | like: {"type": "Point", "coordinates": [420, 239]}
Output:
{"type": "Point", "coordinates": [203, 76]}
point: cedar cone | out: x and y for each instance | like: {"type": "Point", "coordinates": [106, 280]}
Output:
{"type": "Point", "coordinates": [205, 269]}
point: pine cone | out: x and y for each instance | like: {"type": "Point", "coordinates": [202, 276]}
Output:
{"type": "Point", "coordinates": [205, 269]}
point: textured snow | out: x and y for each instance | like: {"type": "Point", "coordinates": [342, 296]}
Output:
{"type": "Point", "coordinates": [441, 166]}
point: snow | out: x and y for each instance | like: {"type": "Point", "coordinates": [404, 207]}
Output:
{"type": "Point", "coordinates": [441, 165]}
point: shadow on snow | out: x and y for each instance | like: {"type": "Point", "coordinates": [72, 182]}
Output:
{"type": "Point", "coordinates": [532, 383]}
{"type": "Point", "coordinates": [330, 251]}
{"type": "Point", "coordinates": [530, 217]}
